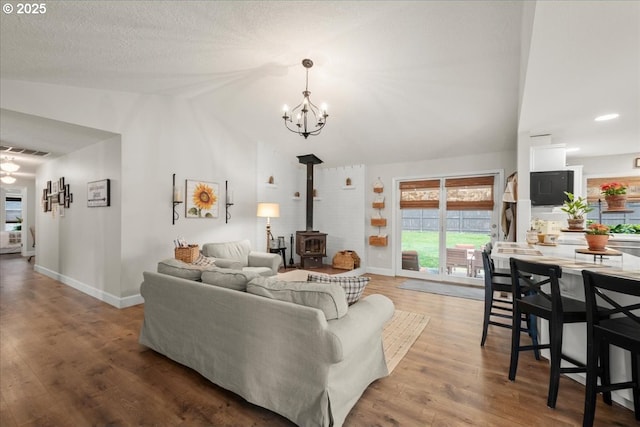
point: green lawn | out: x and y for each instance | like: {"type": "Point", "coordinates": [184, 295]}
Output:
{"type": "Point", "coordinates": [426, 244]}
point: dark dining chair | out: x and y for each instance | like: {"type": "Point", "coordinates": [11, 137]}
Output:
{"type": "Point", "coordinates": [532, 296]}
{"type": "Point", "coordinates": [610, 322]}
{"type": "Point", "coordinates": [500, 306]}
{"type": "Point", "coordinates": [504, 272]}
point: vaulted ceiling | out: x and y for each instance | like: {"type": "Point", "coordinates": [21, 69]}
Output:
{"type": "Point", "coordinates": [403, 80]}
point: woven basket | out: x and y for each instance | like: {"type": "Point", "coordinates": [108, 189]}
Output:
{"type": "Point", "coordinates": [378, 240]}
{"type": "Point", "coordinates": [346, 260]}
{"type": "Point", "coordinates": [188, 254]}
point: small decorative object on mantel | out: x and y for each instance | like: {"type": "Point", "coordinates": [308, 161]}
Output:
{"type": "Point", "coordinates": [271, 180]}
{"type": "Point", "coordinates": [597, 236]}
{"type": "Point", "coordinates": [576, 208]}
{"type": "Point", "coordinates": [615, 194]}
{"type": "Point", "coordinates": [348, 182]}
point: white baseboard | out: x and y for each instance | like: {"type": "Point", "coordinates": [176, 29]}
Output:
{"type": "Point", "coordinates": [380, 271]}
{"type": "Point", "coordinates": [91, 291]}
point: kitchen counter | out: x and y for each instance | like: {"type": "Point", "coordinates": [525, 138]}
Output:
{"type": "Point", "coordinates": [571, 284]}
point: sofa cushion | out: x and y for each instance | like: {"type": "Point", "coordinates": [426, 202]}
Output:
{"type": "Point", "coordinates": [329, 298]}
{"type": "Point", "coordinates": [259, 271]}
{"type": "Point", "coordinates": [353, 285]}
{"type": "Point", "coordinates": [228, 278]}
{"type": "Point", "coordinates": [229, 250]}
{"type": "Point", "coordinates": [177, 268]}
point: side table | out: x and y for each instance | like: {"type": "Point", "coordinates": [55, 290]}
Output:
{"type": "Point", "coordinates": [282, 251]}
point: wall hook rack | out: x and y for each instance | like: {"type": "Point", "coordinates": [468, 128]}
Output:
{"type": "Point", "coordinates": [177, 199]}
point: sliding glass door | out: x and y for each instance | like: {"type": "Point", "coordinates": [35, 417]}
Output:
{"type": "Point", "coordinates": [445, 224]}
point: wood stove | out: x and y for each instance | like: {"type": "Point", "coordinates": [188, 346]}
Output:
{"type": "Point", "coordinates": [311, 246]}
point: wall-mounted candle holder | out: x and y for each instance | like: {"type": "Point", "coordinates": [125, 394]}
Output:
{"type": "Point", "coordinates": [228, 201]}
{"type": "Point", "coordinates": [177, 199]}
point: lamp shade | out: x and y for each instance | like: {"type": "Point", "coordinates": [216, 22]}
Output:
{"type": "Point", "coordinates": [268, 210]}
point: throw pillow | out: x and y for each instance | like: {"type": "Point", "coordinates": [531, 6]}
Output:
{"type": "Point", "coordinates": [353, 286]}
{"type": "Point", "coordinates": [328, 298]}
{"type": "Point", "coordinates": [204, 261]}
{"type": "Point", "coordinates": [228, 278]}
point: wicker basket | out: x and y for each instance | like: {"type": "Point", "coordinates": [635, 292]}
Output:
{"type": "Point", "coordinates": [379, 222]}
{"type": "Point", "coordinates": [378, 240]}
{"type": "Point", "coordinates": [188, 254]}
{"type": "Point", "coordinates": [346, 260]}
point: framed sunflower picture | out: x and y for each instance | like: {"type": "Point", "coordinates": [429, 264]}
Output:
{"type": "Point", "coordinates": [202, 199]}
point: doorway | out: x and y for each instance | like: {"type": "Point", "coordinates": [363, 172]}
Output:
{"type": "Point", "coordinates": [444, 224]}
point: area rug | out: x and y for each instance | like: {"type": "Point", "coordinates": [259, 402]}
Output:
{"type": "Point", "coordinates": [448, 289]}
{"type": "Point", "coordinates": [399, 334]}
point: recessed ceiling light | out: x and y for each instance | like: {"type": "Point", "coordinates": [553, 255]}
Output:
{"type": "Point", "coordinates": [570, 150]}
{"type": "Point", "coordinates": [607, 117]}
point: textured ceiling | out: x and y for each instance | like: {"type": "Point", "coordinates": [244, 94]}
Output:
{"type": "Point", "coordinates": [404, 80]}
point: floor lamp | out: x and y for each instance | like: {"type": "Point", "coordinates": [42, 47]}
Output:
{"type": "Point", "coordinates": [268, 210]}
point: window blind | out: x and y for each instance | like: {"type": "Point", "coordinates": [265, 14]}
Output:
{"type": "Point", "coordinates": [473, 193]}
{"type": "Point", "coordinates": [422, 194]}
{"type": "Point", "coordinates": [469, 194]}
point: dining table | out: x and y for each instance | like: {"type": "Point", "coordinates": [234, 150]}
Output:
{"type": "Point", "coordinates": [573, 259]}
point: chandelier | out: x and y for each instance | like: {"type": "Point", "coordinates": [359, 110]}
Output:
{"type": "Point", "coordinates": [309, 119]}
{"type": "Point", "coordinates": [8, 165]}
{"type": "Point", "coordinates": [7, 179]}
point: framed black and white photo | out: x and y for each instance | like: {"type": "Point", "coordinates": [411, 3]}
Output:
{"type": "Point", "coordinates": [99, 193]}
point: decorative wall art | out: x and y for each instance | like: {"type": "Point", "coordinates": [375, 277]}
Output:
{"type": "Point", "coordinates": [56, 193]}
{"type": "Point", "coordinates": [99, 193]}
{"type": "Point", "coordinates": [203, 199]}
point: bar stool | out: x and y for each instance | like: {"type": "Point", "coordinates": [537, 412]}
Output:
{"type": "Point", "coordinates": [502, 306]}
{"type": "Point", "coordinates": [622, 331]}
{"type": "Point", "coordinates": [549, 305]}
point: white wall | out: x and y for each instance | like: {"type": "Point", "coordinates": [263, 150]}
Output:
{"type": "Point", "coordinates": [83, 248]}
{"type": "Point", "coordinates": [341, 212]}
{"type": "Point", "coordinates": [380, 260]}
{"type": "Point", "coordinates": [159, 136]}
{"type": "Point", "coordinates": [605, 166]}
{"type": "Point", "coordinates": [337, 210]}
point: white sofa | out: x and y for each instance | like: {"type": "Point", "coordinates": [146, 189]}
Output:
{"type": "Point", "coordinates": [280, 355]}
{"type": "Point", "coordinates": [239, 255]}
{"type": "Point", "coordinates": [225, 255]}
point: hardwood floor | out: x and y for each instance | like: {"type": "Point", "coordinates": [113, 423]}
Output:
{"type": "Point", "coordinates": [67, 359]}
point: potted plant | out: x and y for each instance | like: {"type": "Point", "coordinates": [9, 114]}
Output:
{"type": "Point", "coordinates": [576, 208]}
{"type": "Point", "coordinates": [615, 193]}
{"type": "Point", "coordinates": [597, 236]}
